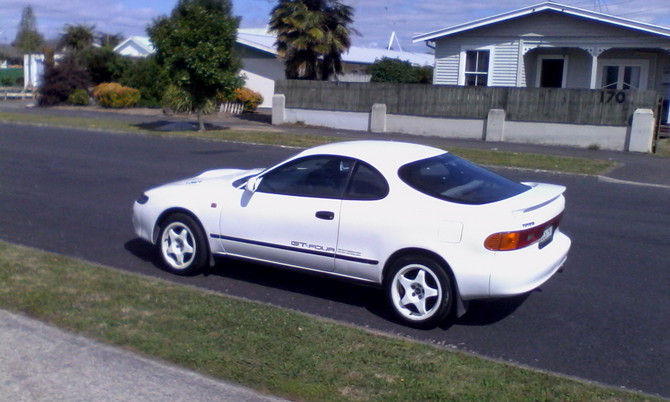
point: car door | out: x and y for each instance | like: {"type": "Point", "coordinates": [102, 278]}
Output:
{"type": "Point", "coordinates": [367, 221]}
{"type": "Point", "coordinates": [292, 217]}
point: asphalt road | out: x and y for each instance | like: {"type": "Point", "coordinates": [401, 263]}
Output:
{"type": "Point", "coordinates": [605, 318]}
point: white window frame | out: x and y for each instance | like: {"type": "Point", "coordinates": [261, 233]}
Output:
{"type": "Point", "coordinates": [462, 61]}
{"type": "Point", "coordinates": [541, 58]}
{"type": "Point", "coordinates": [622, 63]}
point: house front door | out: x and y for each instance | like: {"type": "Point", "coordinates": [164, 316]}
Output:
{"type": "Point", "coordinates": [551, 73]}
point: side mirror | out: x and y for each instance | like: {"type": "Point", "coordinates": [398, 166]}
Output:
{"type": "Point", "coordinates": [252, 183]}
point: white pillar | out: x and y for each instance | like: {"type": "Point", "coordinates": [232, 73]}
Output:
{"type": "Point", "coordinates": [378, 118]}
{"type": "Point", "coordinates": [642, 131]}
{"type": "Point", "coordinates": [495, 125]}
{"type": "Point", "coordinates": [278, 109]}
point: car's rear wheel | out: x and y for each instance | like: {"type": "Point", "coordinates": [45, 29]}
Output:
{"type": "Point", "coordinates": [419, 290]}
{"type": "Point", "coordinates": [182, 246]}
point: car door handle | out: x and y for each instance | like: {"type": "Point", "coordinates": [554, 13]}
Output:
{"type": "Point", "coordinates": [325, 215]}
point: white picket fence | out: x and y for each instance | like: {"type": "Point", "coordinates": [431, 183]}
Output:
{"type": "Point", "coordinates": [231, 107]}
{"type": "Point", "coordinates": [16, 93]}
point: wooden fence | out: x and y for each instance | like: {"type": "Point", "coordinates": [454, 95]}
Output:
{"type": "Point", "coordinates": [571, 106]}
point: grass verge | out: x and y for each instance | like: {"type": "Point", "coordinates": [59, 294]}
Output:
{"type": "Point", "coordinates": [663, 147]}
{"type": "Point", "coordinates": [280, 352]}
{"type": "Point", "coordinates": [275, 137]}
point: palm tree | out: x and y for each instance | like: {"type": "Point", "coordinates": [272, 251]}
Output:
{"type": "Point", "coordinates": [77, 37]}
{"type": "Point", "coordinates": [108, 40]}
{"type": "Point", "coordinates": [311, 36]}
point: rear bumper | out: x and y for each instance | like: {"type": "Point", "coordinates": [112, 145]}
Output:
{"type": "Point", "coordinates": [521, 271]}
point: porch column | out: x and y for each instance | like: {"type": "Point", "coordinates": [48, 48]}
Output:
{"type": "Point", "coordinates": [594, 52]}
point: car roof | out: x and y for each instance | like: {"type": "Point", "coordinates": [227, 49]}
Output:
{"type": "Point", "coordinates": [381, 154]}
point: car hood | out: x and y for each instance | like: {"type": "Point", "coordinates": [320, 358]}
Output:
{"type": "Point", "coordinates": [217, 177]}
{"type": "Point", "coordinates": [226, 174]}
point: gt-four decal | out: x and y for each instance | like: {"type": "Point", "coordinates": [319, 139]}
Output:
{"type": "Point", "coordinates": [302, 247]}
{"type": "Point", "coordinates": [313, 246]}
{"type": "Point", "coordinates": [348, 252]}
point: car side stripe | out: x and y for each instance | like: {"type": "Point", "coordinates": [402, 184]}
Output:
{"type": "Point", "coordinates": [296, 249]}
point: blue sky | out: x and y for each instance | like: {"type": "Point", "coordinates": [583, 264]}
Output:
{"type": "Point", "coordinates": [374, 19]}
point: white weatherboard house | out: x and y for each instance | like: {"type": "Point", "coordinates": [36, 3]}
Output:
{"type": "Point", "coordinates": [262, 67]}
{"type": "Point", "coordinates": [553, 45]}
{"type": "Point", "coordinates": [135, 46]}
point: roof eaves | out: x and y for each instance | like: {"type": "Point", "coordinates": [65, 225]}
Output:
{"type": "Point", "coordinates": [255, 45]}
{"type": "Point", "coordinates": [654, 29]}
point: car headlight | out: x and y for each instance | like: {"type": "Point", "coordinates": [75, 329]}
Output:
{"type": "Point", "coordinates": [142, 199]}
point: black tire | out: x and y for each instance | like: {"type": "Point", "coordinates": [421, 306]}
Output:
{"type": "Point", "coordinates": [182, 245]}
{"type": "Point", "coordinates": [419, 291]}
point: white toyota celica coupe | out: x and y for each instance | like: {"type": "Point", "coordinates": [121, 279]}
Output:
{"type": "Point", "coordinates": [435, 230]}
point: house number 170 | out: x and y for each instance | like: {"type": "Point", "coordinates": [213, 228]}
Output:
{"type": "Point", "coordinates": [607, 96]}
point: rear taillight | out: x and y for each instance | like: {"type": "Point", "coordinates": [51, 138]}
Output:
{"type": "Point", "coordinates": [506, 241]}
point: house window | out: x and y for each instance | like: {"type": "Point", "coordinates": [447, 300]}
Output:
{"type": "Point", "coordinates": [623, 75]}
{"type": "Point", "coordinates": [477, 67]}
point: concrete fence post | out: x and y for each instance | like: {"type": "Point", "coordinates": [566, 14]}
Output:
{"type": "Point", "coordinates": [278, 109]}
{"type": "Point", "coordinates": [495, 125]}
{"type": "Point", "coordinates": [378, 118]}
{"type": "Point", "coordinates": [641, 137]}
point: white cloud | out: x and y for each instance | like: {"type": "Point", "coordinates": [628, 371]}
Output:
{"type": "Point", "coordinates": [52, 16]}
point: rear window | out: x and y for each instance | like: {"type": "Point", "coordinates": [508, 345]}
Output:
{"type": "Point", "coordinates": [451, 178]}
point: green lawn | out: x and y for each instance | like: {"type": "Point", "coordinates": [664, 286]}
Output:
{"type": "Point", "coordinates": [663, 147]}
{"type": "Point", "coordinates": [11, 77]}
{"type": "Point", "coordinates": [277, 351]}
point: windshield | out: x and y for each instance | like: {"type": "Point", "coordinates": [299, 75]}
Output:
{"type": "Point", "coordinates": [451, 178]}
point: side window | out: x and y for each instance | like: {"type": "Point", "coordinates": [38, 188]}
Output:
{"type": "Point", "coordinates": [316, 176]}
{"type": "Point", "coordinates": [477, 68]}
{"type": "Point", "coordinates": [366, 184]}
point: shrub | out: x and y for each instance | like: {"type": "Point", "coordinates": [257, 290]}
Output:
{"type": "Point", "coordinates": [251, 99]}
{"type": "Point", "coordinates": [178, 100]}
{"type": "Point", "coordinates": [79, 97]}
{"type": "Point", "coordinates": [399, 71]}
{"type": "Point", "coordinates": [146, 76]}
{"type": "Point", "coordinates": [60, 80]}
{"type": "Point", "coordinates": [114, 95]}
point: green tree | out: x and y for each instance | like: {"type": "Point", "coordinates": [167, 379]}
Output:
{"type": "Point", "coordinates": [76, 37]}
{"type": "Point", "coordinates": [311, 36]}
{"type": "Point", "coordinates": [28, 39]}
{"type": "Point", "coordinates": [195, 49]}
{"type": "Point", "coordinates": [102, 64]}
{"type": "Point", "coordinates": [399, 71]}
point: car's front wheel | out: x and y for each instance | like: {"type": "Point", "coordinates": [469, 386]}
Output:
{"type": "Point", "coordinates": [182, 246]}
{"type": "Point", "coordinates": [419, 291]}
